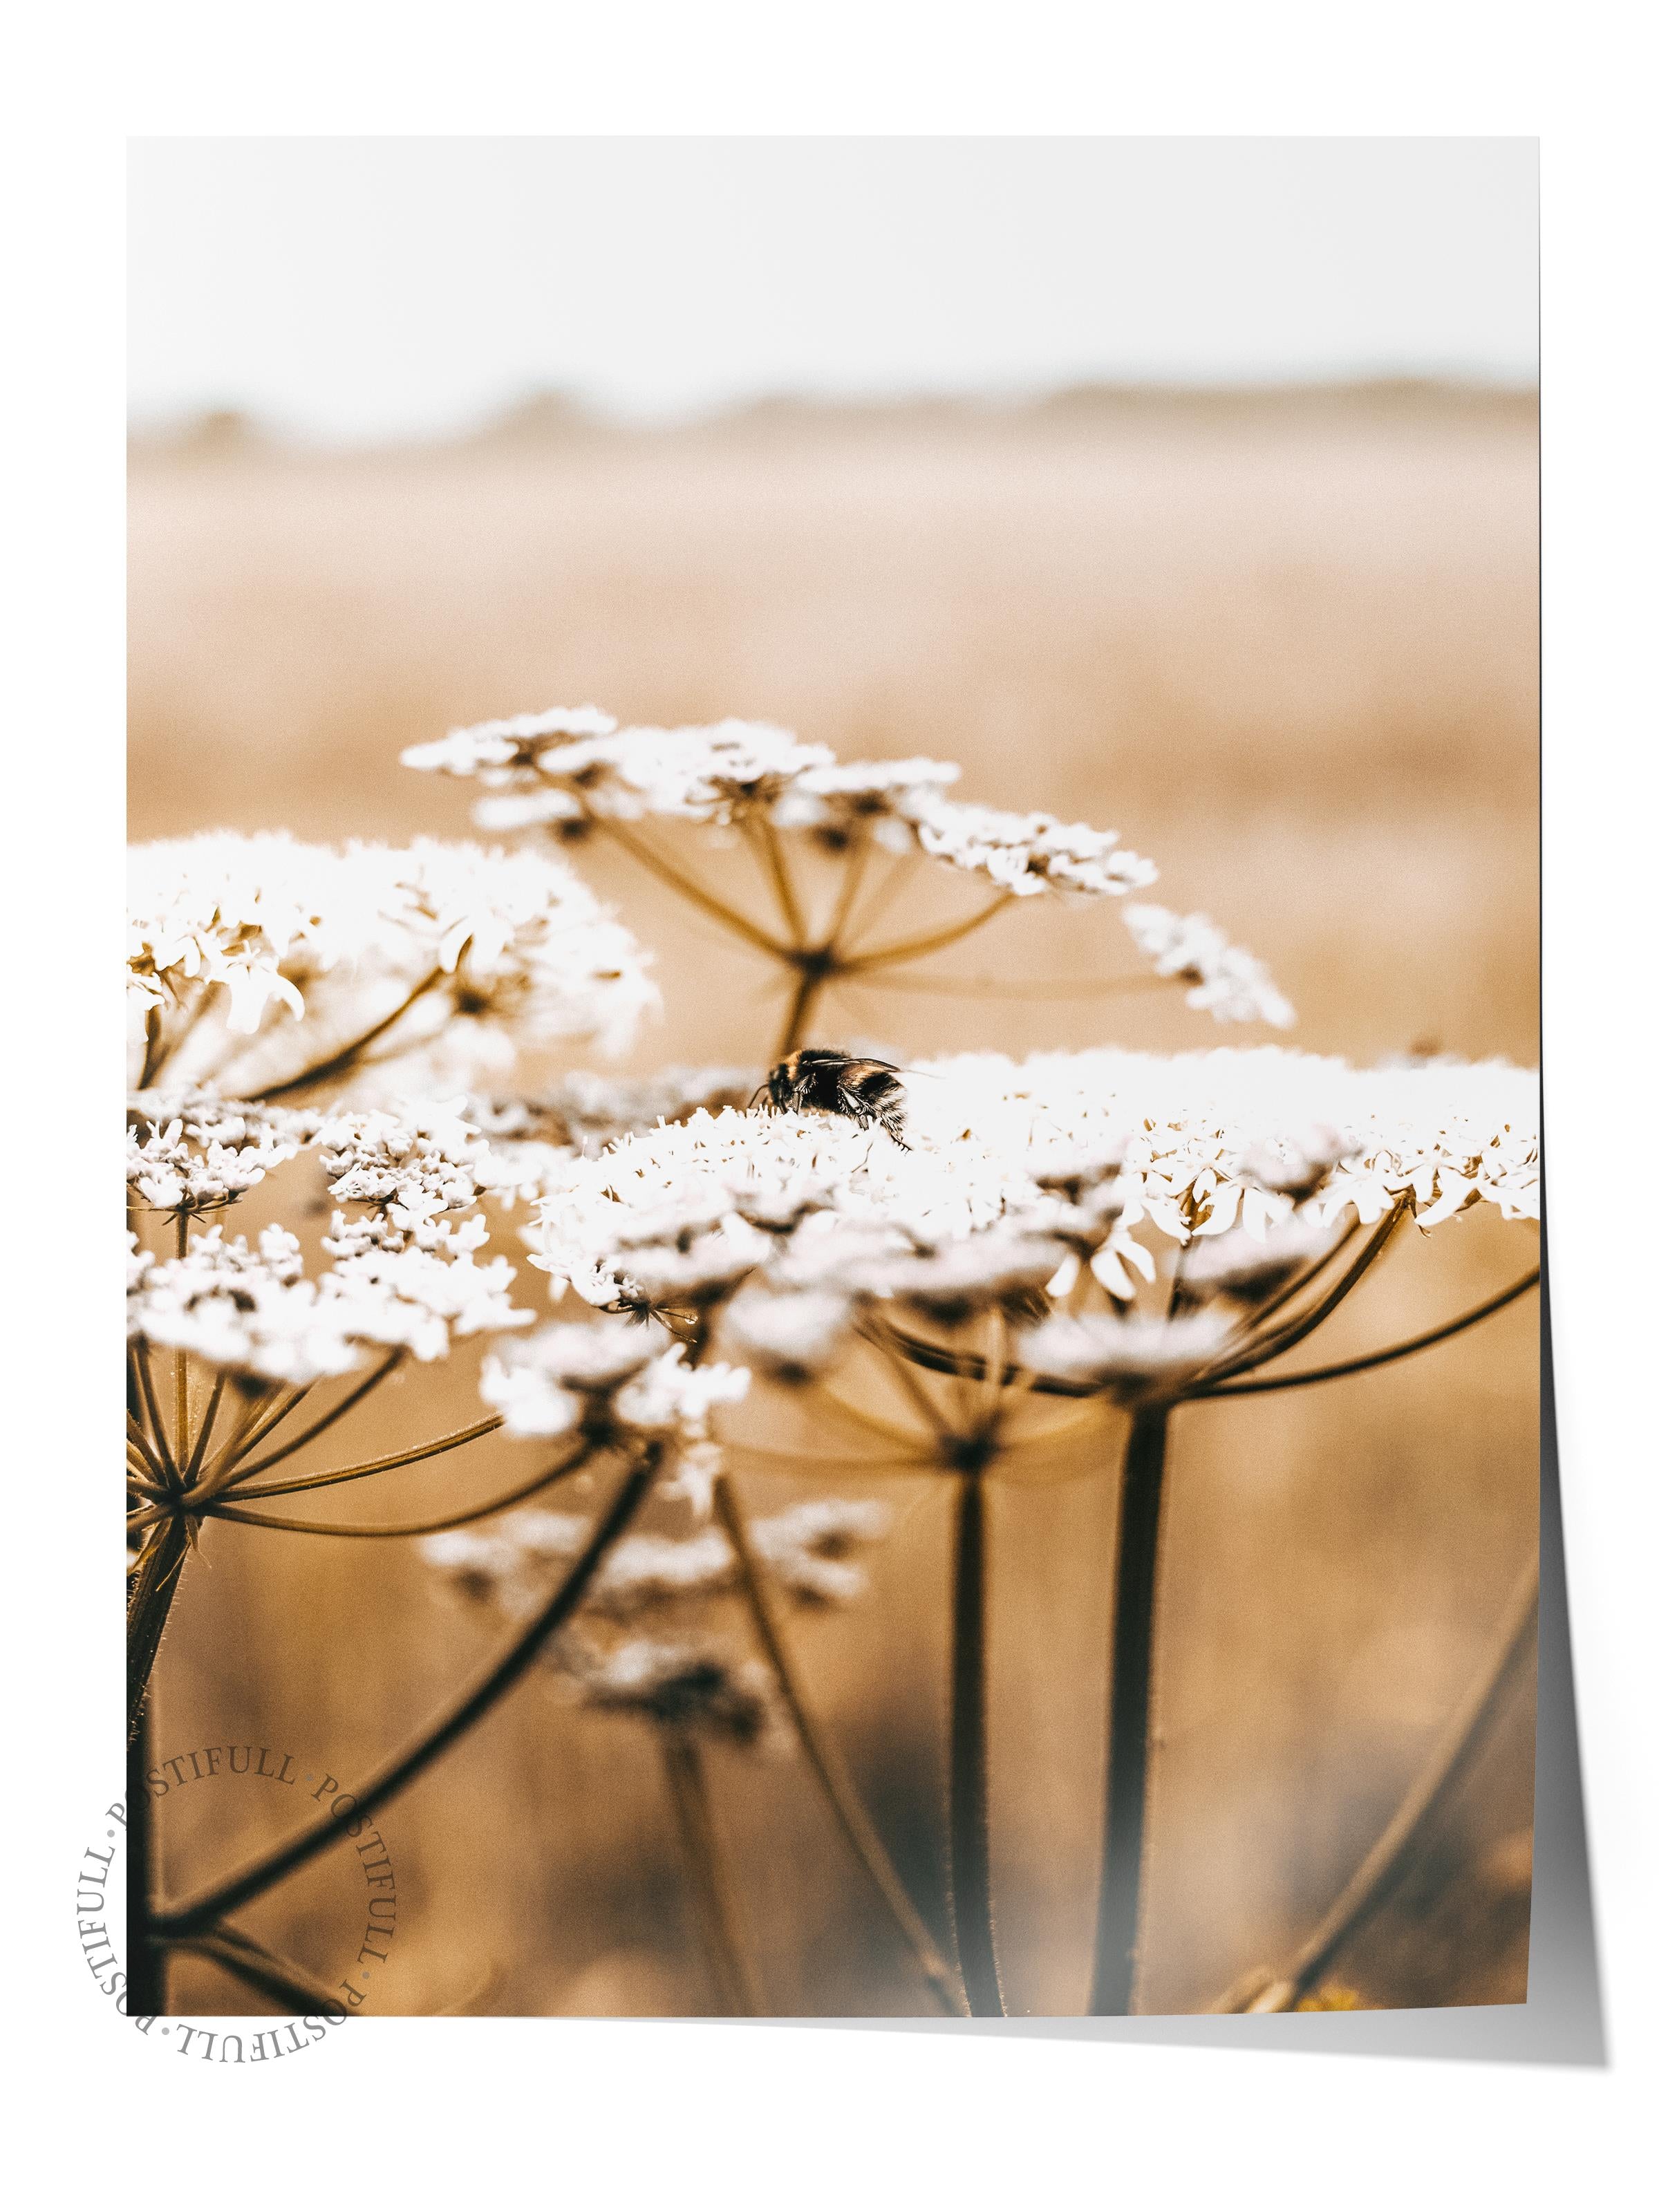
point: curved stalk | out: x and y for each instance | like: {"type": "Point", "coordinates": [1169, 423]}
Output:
{"type": "Point", "coordinates": [1383, 1359]}
{"type": "Point", "coordinates": [1390, 1858]}
{"type": "Point", "coordinates": [456, 1438]}
{"type": "Point", "coordinates": [688, 887]}
{"type": "Point", "coordinates": [933, 940]}
{"type": "Point", "coordinates": [158, 1432]}
{"type": "Point", "coordinates": [450, 1725]}
{"type": "Point", "coordinates": [730, 1964]}
{"type": "Point", "coordinates": [335, 1412]}
{"type": "Point", "coordinates": [783, 883]}
{"type": "Point", "coordinates": [993, 986]}
{"type": "Point", "coordinates": [197, 1450]}
{"type": "Point", "coordinates": [829, 1768]}
{"type": "Point", "coordinates": [269, 1418]}
{"type": "Point", "coordinates": [851, 881]}
{"type": "Point", "coordinates": [138, 1442]}
{"type": "Point", "coordinates": [1129, 1728]}
{"type": "Point", "coordinates": [970, 1783]}
{"type": "Point", "coordinates": [1247, 1352]}
{"type": "Point", "coordinates": [338, 1062]}
{"type": "Point", "coordinates": [516, 1496]}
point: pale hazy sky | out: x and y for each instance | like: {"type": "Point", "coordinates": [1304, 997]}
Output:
{"type": "Point", "coordinates": [367, 288]}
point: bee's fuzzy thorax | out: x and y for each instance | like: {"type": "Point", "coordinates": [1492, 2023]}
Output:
{"type": "Point", "coordinates": [817, 1079]}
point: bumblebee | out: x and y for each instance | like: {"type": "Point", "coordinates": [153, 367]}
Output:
{"type": "Point", "coordinates": [817, 1081]}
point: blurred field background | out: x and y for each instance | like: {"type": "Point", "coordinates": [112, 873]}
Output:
{"type": "Point", "coordinates": [1286, 643]}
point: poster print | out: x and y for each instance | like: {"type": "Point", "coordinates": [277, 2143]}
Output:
{"type": "Point", "coordinates": [832, 1153]}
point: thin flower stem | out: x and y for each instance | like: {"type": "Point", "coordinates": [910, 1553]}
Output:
{"type": "Point", "coordinates": [688, 887]}
{"type": "Point", "coordinates": [210, 1414]}
{"type": "Point", "coordinates": [831, 1771]}
{"type": "Point", "coordinates": [940, 1360]}
{"type": "Point", "coordinates": [513, 1497]}
{"type": "Point", "coordinates": [994, 1364]}
{"type": "Point", "coordinates": [992, 987]}
{"type": "Point", "coordinates": [970, 1783]}
{"type": "Point", "coordinates": [872, 1422]}
{"type": "Point", "coordinates": [843, 1463]}
{"type": "Point", "coordinates": [1375, 1358]}
{"type": "Point", "coordinates": [1391, 1856]}
{"type": "Point", "coordinates": [881, 897]}
{"type": "Point", "coordinates": [180, 1364]}
{"type": "Point", "coordinates": [222, 1468]}
{"type": "Point", "coordinates": [1129, 1728]}
{"type": "Point", "coordinates": [782, 882]}
{"type": "Point", "coordinates": [138, 1442]}
{"type": "Point", "coordinates": [271, 1418]}
{"type": "Point", "coordinates": [157, 1427]}
{"type": "Point", "coordinates": [146, 1993]}
{"type": "Point", "coordinates": [878, 1333]}
{"type": "Point", "coordinates": [338, 1062]}
{"type": "Point", "coordinates": [336, 1412]}
{"type": "Point", "coordinates": [1257, 1351]}
{"type": "Point", "coordinates": [459, 1717]}
{"type": "Point", "coordinates": [155, 1052]}
{"type": "Point", "coordinates": [1298, 1283]}
{"type": "Point", "coordinates": [731, 1968]}
{"type": "Point", "coordinates": [912, 948]}
{"type": "Point", "coordinates": [809, 987]}
{"type": "Point", "coordinates": [452, 1443]}
{"type": "Point", "coordinates": [154, 1585]}
{"type": "Point", "coordinates": [852, 879]}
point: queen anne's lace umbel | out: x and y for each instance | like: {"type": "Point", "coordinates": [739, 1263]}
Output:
{"type": "Point", "coordinates": [792, 1225]}
{"type": "Point", "coordinates": [572, 768]}
{"type": "Point", "coordinates": [539, 774]}
{"type": "Point", "coordinates": [252, 959]}
{"type": "Point", "coordinates": [403, 1268]}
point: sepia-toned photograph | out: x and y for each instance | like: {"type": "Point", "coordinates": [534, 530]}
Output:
{"type": "Point", "coordinates": [833, 1132]}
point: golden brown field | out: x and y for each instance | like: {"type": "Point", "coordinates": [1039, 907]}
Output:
{"type": "Point", "coordinates": [1289, 649]}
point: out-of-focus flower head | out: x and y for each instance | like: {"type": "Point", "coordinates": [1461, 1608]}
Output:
{"type": "Point", "coordinates": [1127, 1354]}
{"type": "Point", "coordinates": [811, 1550]}
{"type": "Point", "coordinates": [253, 962]}
{"type": "Point", "coordinates": [1227, 981]}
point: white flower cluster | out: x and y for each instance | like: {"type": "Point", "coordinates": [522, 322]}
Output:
{"type": "Point", "coordinates": [541, 771]}
{"type": "Point", "coordinates": [403, 1274]}
{"type": "Point", "coordinates": [1228, 983]}
{"type": "Point", "coordinates": [1103, 1349]}
{"type": "Point", "coordinates": [676, 1675]}
{"type": "Point", "coordinates": [194, 1154]}
{"type": "Point", "coordinates": [680, 1214]}
{"type": "Point", "coordinates": [810, 1549]}
{"type": "Point", "coordinates": [789, 1227]}
{"type": "Point", "coordinates": [252, 1309]}
{"type": "Point", "coordinates": [447, 951]}
{"type": "Point", "coordinates": [688, 1686]}
{"type": "Point", "coordinates": [585, 1111]}
{"type": "Point", "coordinates": [615, 1372]}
